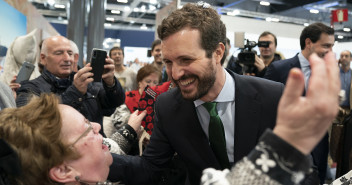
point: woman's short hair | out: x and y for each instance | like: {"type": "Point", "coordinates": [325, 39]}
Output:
{"type": "Point", "coordinates": [34, 132]}
{"type": "Point", "coordinates": [146, 71]}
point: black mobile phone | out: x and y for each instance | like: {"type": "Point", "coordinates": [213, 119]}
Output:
{"type": "Point", "coordinates": [25, 72]}
{"type": "Point", "coordinates": [97, 63]}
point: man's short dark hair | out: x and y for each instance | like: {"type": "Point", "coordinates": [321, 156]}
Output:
{"type": "Point", "coordinates": [268, 33]}
{"type": "Point", "coordinates": [116, 48]}
{"type": "Point", "coordinates": [200, 17]}
{"type": "Point", "coordinates": [313, 32]}
{"type": "Point", "coordinates": [155, 43]}
{"type": "Point", "coordinates": [228, 41]}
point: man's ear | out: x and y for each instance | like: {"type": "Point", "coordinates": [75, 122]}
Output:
{"type": "Point", "coordinates": [42, 59]}
{"type": "Point", "coordinates": [63, 173]}
{"type": "Point", "coordinates": [76, 57]}
{"type": "Point", "coordinates": [219, 52]}
{"type": "Point", "coordinates": [308, 43]}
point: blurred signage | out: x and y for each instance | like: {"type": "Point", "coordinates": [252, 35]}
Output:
{"type": "Point", "coordinates": [340, 15]}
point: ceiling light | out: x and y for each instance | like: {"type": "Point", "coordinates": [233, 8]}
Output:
{"type": "Point", "coordinates": [306, 24]}
{"type": "Point", "coordinates": [107, 24]}
{"type": "Point", "coordinates": [268, 19]}
{"type": "Point", "coordinates": [143, 8]}
{"type": "Point", "coordinates": [132, 22]}
{"type": "Point", "coordinates": [346, 29]}
{"type": "Point", "coordinates": [110, 19]}
{"type": "Point", "coordinates": [51, 2]}
{"type": "Point", "coordinates": [314, 11]}
{"type": "Point", "coordinates": [152, 7]}
{"type": "Point", "coordinates": [144, 27]}
{"type": "Point", "coordinates": [264, 3]}
{"type": "Point", "coordinates": [122, 1]}
{"type": "Point", "coordinates": [127, 9]}
{"type": "Point", "coordinates": [59, 6]}
{"type": "Point", "coordinates": [275, 19]}
{"type": "Point", "coordinates": [115, 11]}
{"type": "Point", "coordinates": [233, 13]}
{"type": "Point", "coordinates": [340, 37]}
{"type": "Point", "coordinates": [136, 9]}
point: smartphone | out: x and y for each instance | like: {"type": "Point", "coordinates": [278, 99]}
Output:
{"type": "Point", "coordinates": [97, 63]}
{"type": "Point", "coordinates": [25, 72]}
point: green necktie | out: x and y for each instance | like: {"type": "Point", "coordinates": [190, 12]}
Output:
{"type": "Point", "coordinates": [217, 135]}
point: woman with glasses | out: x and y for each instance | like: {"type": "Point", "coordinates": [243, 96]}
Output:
{"type": "Point", "coordinates": [55, 143]}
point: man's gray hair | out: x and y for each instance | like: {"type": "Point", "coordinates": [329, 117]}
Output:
{"type": "Point", "coordinates": [74, 47]}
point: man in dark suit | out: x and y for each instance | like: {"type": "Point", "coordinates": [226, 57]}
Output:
{"type": "Point", "coordinates": [193, 45]}
{"type": "Point", "coordinates": [317, 38]}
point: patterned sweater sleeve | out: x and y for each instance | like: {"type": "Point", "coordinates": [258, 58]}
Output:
{"type": "Point", "coordinates": [272, 161]}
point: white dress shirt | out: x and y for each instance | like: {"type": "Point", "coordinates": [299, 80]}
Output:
{"type": "Point", "coordinates": [226, 112]}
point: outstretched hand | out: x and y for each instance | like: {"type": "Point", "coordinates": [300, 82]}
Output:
{"type": "Point", "coordinates": [303, 121]}
{"type": "Point", "coordinates": [136, 118]}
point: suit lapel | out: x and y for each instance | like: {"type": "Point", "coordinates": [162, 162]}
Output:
{"type": "Point", "coordinates": [186, 112]}
{"type": "Point", "coordinates": [247, 105]}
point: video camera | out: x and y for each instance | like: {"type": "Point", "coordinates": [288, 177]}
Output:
{"type": "Point", "coordinates": [247, 56]}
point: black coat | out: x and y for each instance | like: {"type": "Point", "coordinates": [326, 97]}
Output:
{"type": "Point", "coordinates": [98, 101]}
{"type": "Point", "coordinates": [177, 129]}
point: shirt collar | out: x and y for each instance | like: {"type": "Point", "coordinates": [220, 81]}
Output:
{"type": "Point", "coordinates": [342, 71]}
{"type": "Point", "coordinates": [227, 93]}
{"type": "Point", "coordinates": [303, 61]}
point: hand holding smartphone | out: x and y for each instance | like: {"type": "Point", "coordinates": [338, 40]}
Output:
{"type": "Point", "coordinates": [25, 72]}
{"type": "Point", "coordinates": [97, 63]}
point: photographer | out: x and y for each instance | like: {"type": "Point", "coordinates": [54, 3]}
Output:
{"type": "Point", "coordinates": [267, 43]}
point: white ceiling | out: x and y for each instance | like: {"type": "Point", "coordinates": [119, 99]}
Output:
{"type": "Point", "coordinates": [142, 13]}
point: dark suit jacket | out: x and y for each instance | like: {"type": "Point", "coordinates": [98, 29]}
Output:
{"type": "Point", "coordinates": [278, 71]}
{"type": "Point", "coordinates": [177, 129]}
{"type": "Point", "coordinates": [234, 66]}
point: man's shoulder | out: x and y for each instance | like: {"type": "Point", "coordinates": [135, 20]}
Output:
{"type": "Point", "coordinates": [171, 95]}
{"type": "Point", "coordinates": [130, 71]}
{"type": "Point", "coordinates": [37, 82]}
{"type": "Point", "coordinates": [255, 82]}
{"type": "Point", "coordinates": [285, 62]}
{"type": "Point", "coordinates": [242, 80]}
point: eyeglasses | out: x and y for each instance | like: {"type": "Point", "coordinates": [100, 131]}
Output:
{"type": "Point", "coordinates": [90, 127]}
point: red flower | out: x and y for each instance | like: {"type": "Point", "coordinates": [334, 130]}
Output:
{"type": "Point", "coordinates": [149, 109]}
{"type": "Point", "coordinates": [150, 101]}
{"type": "Point", "coordinates": [148, 119]}
{"type": "Point", "coordinates": [149, 132]}
{"type": "Point", "coordinates": [142, 104]}
{"type": "Point", "coordinates": [150, 126]}
{"type": "Point", "coordinates": [143, 123]}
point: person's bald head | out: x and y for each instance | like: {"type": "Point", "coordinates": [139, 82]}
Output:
{"type": "Point", "coordinates": [345, 58]}
{"type": "Point", "coordinates": [57, 56]}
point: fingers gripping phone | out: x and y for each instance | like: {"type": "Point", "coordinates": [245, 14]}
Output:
{"type": "Point", "coordinates": [97, 63]}
{"type": "Point", "coordinates": [25, 72]}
